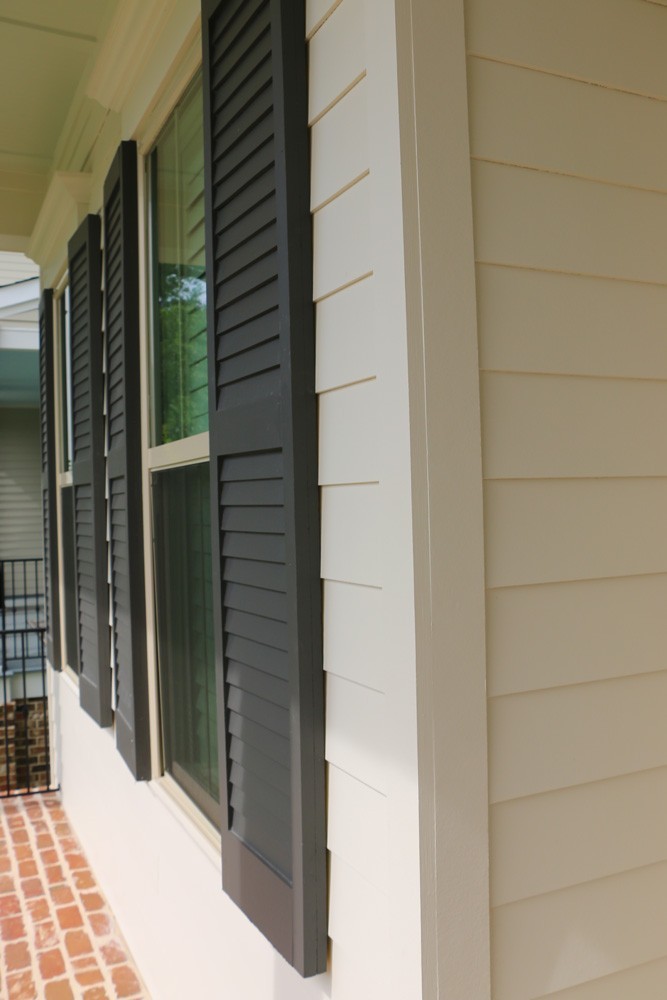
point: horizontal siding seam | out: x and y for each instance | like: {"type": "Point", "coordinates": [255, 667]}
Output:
{"type": "Point", "coordinates": [381, 888]}
{"type": "Point", "coordinates": [578, 579]}
{"type": "Point", "coordinates": [351, 680]}
{"type": "Point", "coordinates": [577, 684]}
{"type": "Point", "coordinates": [513, 265]}
{"type": "Point", "coordinates": [579, 784]}
{"type": "Point", "coordinates": [344, 486]}
{"type": "Point", "coordinates": [335, 387]}
{"type": "Point", "coordinates": [355, 777]}
{"type": "Point", "coordinates": [572, 479]}
{"type": "Point", "coordinates": [618, 972]}
{"type": "Point", "coordinates": [575, 885]}
{"type": "Point", "coordinates": [571, 684]}
{"type": "Point", "coordinates": [325, 17]}
{"type": "Point", "coordinates": [534, 373]}
{"type": "Point", "coordinates": [346, 187]}
{"type": "Point", "coordinates": [339, 97]}
{"type": "Point", "coordinates": [574, 579]}
{"type": "Point", "coordinates": [324, 484]}
{"type": "Point", "coordinates": [472, 54]}
{"type": "Point", "coordinates": [347, 284]}
{"type": "Point", "coordinates": [554, 172]}
{"type": "Point", "coordinates": [351, 583]}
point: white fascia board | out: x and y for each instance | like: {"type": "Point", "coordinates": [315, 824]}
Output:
{"type": "Point", "coordinates": [132, 35]}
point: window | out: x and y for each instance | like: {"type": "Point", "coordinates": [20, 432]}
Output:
{"type": "Point", "coordinates": [65, 338]}
{"type": "Point", "coordinates": [185, 632]}
{"type": "Point", "coordinates": [180, 493]}
{"type": "Point", "coordinates": [180, 382]}
{"type": "Point", "coordinates": [67, 556]}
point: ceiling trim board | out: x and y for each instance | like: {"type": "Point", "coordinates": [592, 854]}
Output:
{"type": "Point", "coordinates": [64, 206]}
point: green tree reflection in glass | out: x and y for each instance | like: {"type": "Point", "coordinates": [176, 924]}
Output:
{"type": "Point", "coordinates": [180, 377]}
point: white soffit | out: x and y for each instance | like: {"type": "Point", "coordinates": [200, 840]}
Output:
{"type": "Point", "coordinates": [64, 206]}
{"type": "Point", "coordinates": [133, 32]}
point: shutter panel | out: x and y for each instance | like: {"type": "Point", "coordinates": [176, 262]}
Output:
{"type": "Point", "coordinates": [262, 419]}
{"type": "Point", "coordinates": [88, 470]}
{"type": "Point", "coordinates": [128, 601]}
{"type": "Point", "coordinates": [48, 437]}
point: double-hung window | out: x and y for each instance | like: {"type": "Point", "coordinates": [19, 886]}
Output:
{"type": "Point", "coordinates": [179, 477]}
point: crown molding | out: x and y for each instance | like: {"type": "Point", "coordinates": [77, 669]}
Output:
{"type": "Point", "coordinates": [133, 33]}
{"type": "Point", "coordinates": [64, 206]}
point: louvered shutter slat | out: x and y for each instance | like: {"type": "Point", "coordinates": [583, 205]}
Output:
{"type": "Point", "coordinates": [264, 471]}
{"type": "Point", "coordinates": [47, 431]}
{"type": "Point", "coordinates": [85, 278]}
{"type": "Point", "coordinates": [124, 460]}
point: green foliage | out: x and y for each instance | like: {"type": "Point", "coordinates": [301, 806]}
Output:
{"type": "Point", "coordinates": [182, 352]}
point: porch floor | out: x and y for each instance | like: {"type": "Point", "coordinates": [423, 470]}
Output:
{"type": "Point", "coordinates": [58, 937]}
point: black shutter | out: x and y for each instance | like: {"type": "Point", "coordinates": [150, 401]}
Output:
{"type": "Point", "coordinates": [47, 413]}
{"type": "Point", "coordinates": [85, 281]}
{"type": "Point", "coordinates": [264, 471]}
{"type": "Point", "coordinates": [128, 600]}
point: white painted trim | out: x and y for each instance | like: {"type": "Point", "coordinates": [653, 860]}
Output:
{"type": "Point", "coordinates": [64, 206]}
{"type": "Point", "coordinates": [190, 817]}
{"type": "Point", "coordinates": [147, 522]}
{"type": "Point", "coordinates": [187, 451]}
{"type": "Point", "coordinates": [170, 93]}
{"type": "Point", "coordinates": [131, 37]}
{"type": "Point", "coordinates": [447, 499]}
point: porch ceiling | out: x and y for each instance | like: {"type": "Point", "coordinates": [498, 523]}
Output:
{"type": "Point", "coordinates": [46, 51]}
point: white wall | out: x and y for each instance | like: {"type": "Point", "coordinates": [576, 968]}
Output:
{"type": "Point", "coordinates": [161, 876]}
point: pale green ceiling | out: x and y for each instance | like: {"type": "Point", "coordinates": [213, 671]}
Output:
{"type": "Point", "coordinates": [46, 50]}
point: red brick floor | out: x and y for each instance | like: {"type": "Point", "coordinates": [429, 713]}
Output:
{"type": "Point", "coordinates": [58, 937]}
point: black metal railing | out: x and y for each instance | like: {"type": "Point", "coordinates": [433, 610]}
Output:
{"type": "Point", "coordinates": [25, 759]}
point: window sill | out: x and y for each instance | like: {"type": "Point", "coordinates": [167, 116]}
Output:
{"type": "Point", "coordinates": [188, 815]}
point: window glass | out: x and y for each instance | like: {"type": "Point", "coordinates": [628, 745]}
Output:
{"type": "Point", "coordinates": [68, 591]}
{"type": "Point", "coordinates": [178, 265]}
{"type": "Point", "coordinates": [185, 631]}
{"type": "Point", "coordinates": [65, 380]}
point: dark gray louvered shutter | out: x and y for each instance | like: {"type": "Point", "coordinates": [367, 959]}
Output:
{"type": "Point", "coordinates": [264, 471]}
{"type": "Point", "coordinates": [48, 437]}
{"type": "Point", "coordinates": [92, 601]}
{"type": "Point", "coordinates": [121, 315]}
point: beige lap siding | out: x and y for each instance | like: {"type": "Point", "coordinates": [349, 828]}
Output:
{"type": "Point", "coordinates": [20, 485]}
{"type": "Point", "coordinates": [568, 132]}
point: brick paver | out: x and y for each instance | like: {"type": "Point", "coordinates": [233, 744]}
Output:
{"type": "Point", "coordinates": [58, 937]}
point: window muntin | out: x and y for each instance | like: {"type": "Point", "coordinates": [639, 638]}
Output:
{"type": "Point", "coordinates": [180, 371]}
{"type": "Point", "coordinates": [185, 632]}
